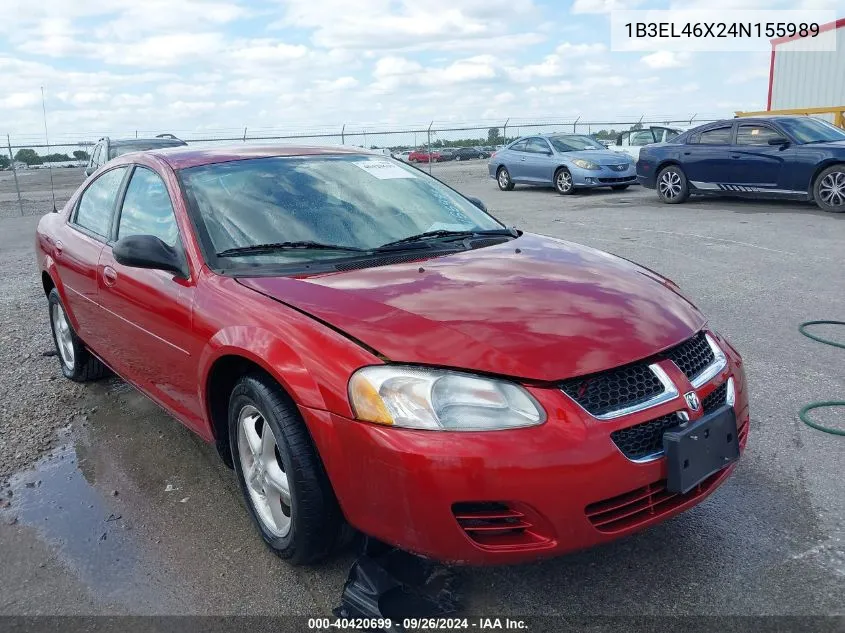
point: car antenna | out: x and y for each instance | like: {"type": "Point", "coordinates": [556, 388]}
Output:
{"type": "Point", "coordinates": [47, 138]}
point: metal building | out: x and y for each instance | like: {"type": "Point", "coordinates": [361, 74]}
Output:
{"type": "Point", "coordinates": [802, 77]}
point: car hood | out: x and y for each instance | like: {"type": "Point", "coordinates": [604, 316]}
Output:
{"type": "Point", "coordinates": [535, 308]}
{"type": "Point", "coordinates": [598, 156]}
{"type": "Point", "coordinates": [835, 145]}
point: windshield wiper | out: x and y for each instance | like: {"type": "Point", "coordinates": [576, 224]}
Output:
{"type": "Point", "coordinates": [264, 249]}
{"type": "Point", "coordinates": [446, 234]}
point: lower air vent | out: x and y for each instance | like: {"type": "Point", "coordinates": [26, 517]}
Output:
{"type": "Point", "coordinates": [495, 524]}
{"type": "Point", "coordinates": [644, 440]}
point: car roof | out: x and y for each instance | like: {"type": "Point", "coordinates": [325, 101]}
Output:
{"type": "Point", "coordinates": [184, 157]}
{"type": "Point", "coordinates": [164, 142]}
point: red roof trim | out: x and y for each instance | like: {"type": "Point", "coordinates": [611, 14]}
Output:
{"type": "Point", "coordinates": [836, 24]}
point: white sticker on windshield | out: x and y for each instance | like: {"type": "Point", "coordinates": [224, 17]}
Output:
{"type": "Point", "coordinates": [383, 170]}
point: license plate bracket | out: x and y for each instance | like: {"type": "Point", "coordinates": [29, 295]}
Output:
{"type": "Point", "coordinates": [698, 449]}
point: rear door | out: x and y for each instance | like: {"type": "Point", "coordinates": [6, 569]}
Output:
{"type": "Point", "coordinates": [78, 251]}
{"type": "Point", "coordinates": [150, 311]}
{"type": "Point", "coordinates": [706, 158]}
{"type": "Point", "coordinates": [758, 165]}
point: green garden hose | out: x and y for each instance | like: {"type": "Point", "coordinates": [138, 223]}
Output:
{"type": "Point", "coordinates": [804, 414]}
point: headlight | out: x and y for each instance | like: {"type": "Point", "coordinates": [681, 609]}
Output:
{"type": "Point", "coordinates": [440, 400]}
{"type": "Point", "coordinates": [584, 164]}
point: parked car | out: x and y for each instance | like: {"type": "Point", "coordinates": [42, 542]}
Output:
{"type": "Point", "coordinates": [423, 156]}
{"type": "Point", "coordinates": [339, 326]}
{"type": "Point", "coordinates": [631, 141]}
{"type": "Point", "coordinates": [447, 153]}
{"type": "Point", "coordinates": [567, 162]}
{"type": "Point", "coordinates": [800, 158]}
{"type": "Point", "coordinates": [404, 156]}
{"type": "Point", "coordinates": [107, 149]}
{"type": "Point", "coordinates": [384, 151]}
{"type": "Point", "coordinates": [467, 153]}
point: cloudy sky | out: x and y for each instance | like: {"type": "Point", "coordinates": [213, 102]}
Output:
{"type": "Point", "coordinates": [194, 66]}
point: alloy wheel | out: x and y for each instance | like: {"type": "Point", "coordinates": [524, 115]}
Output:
{"type": "Point", "coordinates": [832, 189]}
{"type": "Point", "coordinates": [504, 178]}
{"type": "Point", "coordinates": [263, 471]}
{"type": "Point", "coordinates": [64, 337]}
{"type": "Point", "coordinates": [563, 182]}
{"type": "Point", "coordinates": [670, 184]}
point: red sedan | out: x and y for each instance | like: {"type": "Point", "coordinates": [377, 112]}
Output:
{"type": "Point", "coordinates": [364, 345]}
{"type": "Point", "coordinates": [423, 156]}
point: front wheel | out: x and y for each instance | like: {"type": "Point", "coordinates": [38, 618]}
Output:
{"type": "Point", "coordinates": [503, 177]}
{"type": "Point", "coordinates": [563, 182]}
{"type": "Point", "coordinates": [672, 185]}
{"type": "Point", "coordinates": [78, 364]}
{"type": "Point", "coordinates": [280, 474]}
{"type": "Point", "coordinates": [829, 189]}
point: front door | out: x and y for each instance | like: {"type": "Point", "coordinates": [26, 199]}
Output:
{"type": "Point", "coordinates": [150, 311]}
{"type": "Point", "coordinates": [758, 165]}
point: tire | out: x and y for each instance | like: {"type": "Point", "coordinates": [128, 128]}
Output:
{"type": "Point", "coordinates": [503, 179]}
{"type": "Point", "coordinates": [77, 363]}
{"type": "Point", "coordinates": [306, 528]}
{"type": "Point", "coordinates": [620, 187]}
{"type": "Point", "coordinates": [672, 185]}
{"type": "Point", "coordinates": [563, 182]}
{"type": "Point", "coordinates": [829, 189]}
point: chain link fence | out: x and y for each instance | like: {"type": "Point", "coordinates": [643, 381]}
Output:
{"type": "Point", "coordinates": [37, 174]}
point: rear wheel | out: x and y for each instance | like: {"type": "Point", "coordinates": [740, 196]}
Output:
{"type": "Point", "coordinates": [77, 363]}
{"type": "Point", "coordinates": [829, 189]}
{"type": "Point", "coordinates": [503, 177]}
{"type": "Point", "coordinates": [672, 185]}
{"type": "Point", "coordinates": [563, 182]}
{"type": "Point", "coordinates": [282, 479]}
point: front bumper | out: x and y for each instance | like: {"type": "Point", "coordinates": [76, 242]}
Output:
{"type": "Point", "coordinates": [602, 177]}
{"type": "Point", "coordinates": [565, 480]}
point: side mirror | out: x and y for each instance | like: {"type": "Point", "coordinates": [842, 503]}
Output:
{"type": "Point", "coordinates": [477, 203]}
{"type": "Point", "coordinates": [779, 140]}
{"type": "Point", "coordinates": [148, 251]}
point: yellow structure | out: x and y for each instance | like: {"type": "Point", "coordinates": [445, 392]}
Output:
{"type": "Point", "coordinates": [838, 113]}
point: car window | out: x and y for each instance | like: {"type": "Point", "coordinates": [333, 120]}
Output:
{"type": "Point", "coordinates": [96, 205]}
{"type": "Point", "coordinates": [641, 137]}
{"type": "Point", "coordinates": [537, 146]}
{"type": "Point", "coordinates": [147, 209]}
{"type": "Point", "coordinates": [747, 134]}
{"type": "Point", "coordinates": [807, 129]}
{"type": "Point", "coordinates": [716, 136]}
{"type": "Point", "coordinates": [520, 146]}
{"type": "Point", "coordinates": [574, 143]}
{"type": "Point", "coordinates": [624, 139]}
{"type": "Point", "coordinates": [668, 134]}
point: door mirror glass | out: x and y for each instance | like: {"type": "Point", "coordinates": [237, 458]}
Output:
{"type": "Point", "coordinates": [147, 251]}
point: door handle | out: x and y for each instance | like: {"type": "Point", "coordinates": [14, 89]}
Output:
{"type": "Point", "coordinates": [109, 275]}
{"type": "Point", "coordinates": [59, 247]}
{"type": "Point", "coordinates": [522, 159]}
{"type": "Point", "coordinates": [736, 155]}
{"type": "Point", "coordinates": [687, 153]}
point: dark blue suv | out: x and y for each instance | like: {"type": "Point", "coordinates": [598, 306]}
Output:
{"type": "Point", "coordinates": [800, 158]}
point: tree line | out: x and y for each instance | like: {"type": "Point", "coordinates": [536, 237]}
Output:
{"type": "Point", "coordinates": [31, 157]}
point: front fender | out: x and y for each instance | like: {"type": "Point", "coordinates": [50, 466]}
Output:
{"type": "Point", "coordinates": [268, 351]}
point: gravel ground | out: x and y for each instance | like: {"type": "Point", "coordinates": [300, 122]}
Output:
{"type": "Point", "coordinates": [770, 541]}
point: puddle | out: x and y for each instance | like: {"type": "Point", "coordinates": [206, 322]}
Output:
{"type": "Point", "coordinates": [89, 534]}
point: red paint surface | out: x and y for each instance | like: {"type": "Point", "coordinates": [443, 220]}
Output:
{"type": "Point", "coordinates": [549, 312]}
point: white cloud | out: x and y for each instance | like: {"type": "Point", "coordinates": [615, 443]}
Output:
{"type": "Point", "coordinates": [603, 6]}
{"type": "Point", "coordinates": [666, 59]}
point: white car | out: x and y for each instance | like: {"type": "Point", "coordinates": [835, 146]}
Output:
{"type": "Point", "coordinates": [631, 141]}
{"type": "Point", "coordinates": [382, 150]}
